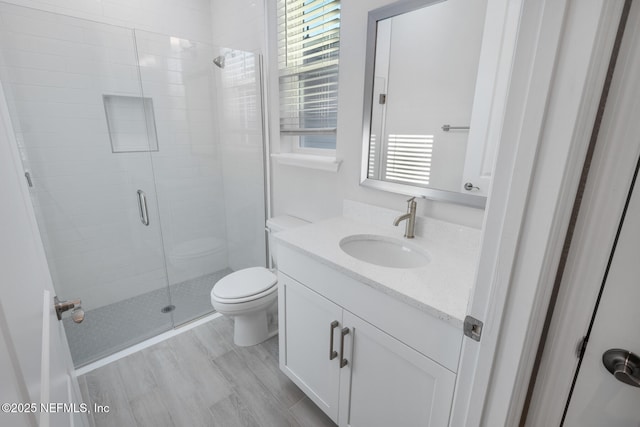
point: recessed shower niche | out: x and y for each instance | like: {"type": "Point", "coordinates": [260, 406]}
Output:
{"type": "Point", "coordinates": [131, 123]}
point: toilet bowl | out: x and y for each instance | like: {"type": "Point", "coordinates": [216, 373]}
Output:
{"type": "Point", "coordinates": [250, 294]}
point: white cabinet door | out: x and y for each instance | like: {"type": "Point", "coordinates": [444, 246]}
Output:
{"type": "Point", "coordinates": [391, 383]}
{"type": "Point", "coordinates": [306, 319]}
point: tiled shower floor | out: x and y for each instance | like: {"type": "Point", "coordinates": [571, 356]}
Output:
{"type": "Point", "coordinates": [111, 328]}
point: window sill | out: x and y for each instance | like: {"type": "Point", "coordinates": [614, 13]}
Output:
{"type": "Point", "coordinates": [330, 164]}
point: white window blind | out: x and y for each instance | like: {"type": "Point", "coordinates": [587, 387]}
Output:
{"type": "Point", "coordinates": [308, 50]}
{"type": "Point", "coordinates": [408, 159]}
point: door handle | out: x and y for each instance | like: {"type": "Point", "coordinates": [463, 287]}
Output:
{"type": "Point", "coordinates": [343, 362]}
{"type": "Point", "coordinates": [142, 205]}
{"type": "Point", "coordinates": [332, 353]}
{"type": "Point", "coordinates": [624, 365]}
{"type": "Point", "coordinates": [469, 186]}
{"type": "Point", "coordinates": [77, 314]}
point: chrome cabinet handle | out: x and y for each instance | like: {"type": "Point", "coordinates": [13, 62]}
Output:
{"type": "Point", "coordinates": [142, 205]}
{"type": "Point", "coordinates": [343, 362]}
{"type": "Point", "coordinates": [332, 353]}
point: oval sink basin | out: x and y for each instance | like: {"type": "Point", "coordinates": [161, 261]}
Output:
{"type": "Point", "coordinates": [384, 251]}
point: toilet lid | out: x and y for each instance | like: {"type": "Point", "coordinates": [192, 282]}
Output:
{"type": "Point", "coordinates": [244, 283]}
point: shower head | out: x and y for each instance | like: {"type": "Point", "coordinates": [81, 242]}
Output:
{"type": "Point", "coordinates": [219, 61]}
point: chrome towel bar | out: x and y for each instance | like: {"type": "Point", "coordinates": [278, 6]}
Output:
{"type": "Point", "coordinates": [447, 128]}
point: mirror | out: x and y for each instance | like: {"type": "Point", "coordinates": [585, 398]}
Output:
{"type": "Point", "coordinates": [421, 70]}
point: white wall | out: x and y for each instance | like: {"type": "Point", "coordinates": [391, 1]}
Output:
{"type": "Point", "coordinates": [182, 18]}
{"type": "Point", "coordinates": [238, 24]}
{"type": "Point", "coordinates": [313, 194]}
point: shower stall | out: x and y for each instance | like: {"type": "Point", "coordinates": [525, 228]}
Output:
{"type": "Point", "coordinates": [144, 155]}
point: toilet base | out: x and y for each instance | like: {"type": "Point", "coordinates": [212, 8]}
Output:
{"type": "Point", "coordinates": [251, 329]}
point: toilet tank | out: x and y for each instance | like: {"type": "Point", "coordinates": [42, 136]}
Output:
{"type": "Point", "coordinates": [280, 223]}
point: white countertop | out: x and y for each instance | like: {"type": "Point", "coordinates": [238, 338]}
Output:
{"type": "Point", "coordinates": [441, 288]}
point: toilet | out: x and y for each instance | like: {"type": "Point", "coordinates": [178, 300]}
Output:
{"type": "Point", "coordinates": [249, 295]}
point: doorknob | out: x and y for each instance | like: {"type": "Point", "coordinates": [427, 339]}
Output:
{"type": "Point", "coordinates": [624, 365]}
{"type": "Point", "coordinates": [469, 186]}
{"type": "Point", "coordinates": [77, 314]}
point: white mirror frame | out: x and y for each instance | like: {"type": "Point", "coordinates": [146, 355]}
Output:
{"type": "Point", "coordinates": [394, 187]}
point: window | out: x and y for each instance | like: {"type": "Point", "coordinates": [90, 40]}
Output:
{"type": "Point", "coordinates": [308, 50]}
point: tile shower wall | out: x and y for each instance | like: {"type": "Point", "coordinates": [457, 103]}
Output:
{"type": "Point", "coordinates": [59, 70]}
{"type": "Point", "coordinates": [56, 84]}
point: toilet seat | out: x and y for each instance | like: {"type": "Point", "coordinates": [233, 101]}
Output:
{"type": "Point", "coordinates": [244, 285]}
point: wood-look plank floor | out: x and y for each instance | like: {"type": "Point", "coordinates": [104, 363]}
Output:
{"type": "Point", "coordinates": [200, 378]}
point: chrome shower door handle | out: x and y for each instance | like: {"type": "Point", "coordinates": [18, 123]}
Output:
{"type": "Point", "coordinates": [142, 205]}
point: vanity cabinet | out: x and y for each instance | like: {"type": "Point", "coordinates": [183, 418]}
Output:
{"type": "Point", "coordinates": [350, 361]}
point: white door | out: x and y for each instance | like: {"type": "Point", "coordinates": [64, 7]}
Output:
{"type": "Point", "coordinates": [599, 398]}
{"type": "Point", "coordinates": [388, 383]}
{"type": "Point", "coordinates": [30, 326]}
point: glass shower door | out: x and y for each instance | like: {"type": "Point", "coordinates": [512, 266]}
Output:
{"type": "Point", "coordinates": [86, 135]}
{"type": "Point", "coordinates": [177, 74]}
{"type": "Point", "coordinates": [209, 172]}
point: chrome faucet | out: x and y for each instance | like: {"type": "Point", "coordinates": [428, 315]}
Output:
{"type": "Point", "coordinates": [410, 217]}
